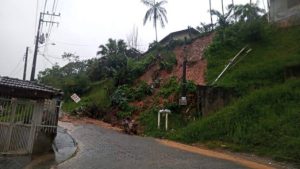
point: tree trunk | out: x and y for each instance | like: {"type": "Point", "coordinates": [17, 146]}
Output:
{"type": "Point", "coordinates": [222, 8]}
{"type": "Point", "coordinates": [155, 32]}
{"type": "Point", "coordinates": [211, 20]}
{"type": "Point", "coordinates": [233, 10]}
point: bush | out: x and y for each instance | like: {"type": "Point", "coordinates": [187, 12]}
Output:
{"type": "Point", "coordinates": [167, 61]}
{"type": "Point", "coordinates": [142, 90]}
{"type": "Point", "coordinates": [123, 114]}
{"type": "Point", "coordinates": [172, 86]}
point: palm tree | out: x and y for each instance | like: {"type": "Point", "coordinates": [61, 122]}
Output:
{"type": "Point", "coordinates": [222, 7]}
{"type": "Point", "coordinates": [155, 12]}
{"type": "Point", "coordinates": [233, 10]}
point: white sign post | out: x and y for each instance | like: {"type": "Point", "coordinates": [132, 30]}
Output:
{"type": "Point", "coordinates": [75, 98]}
{"type": "Point", "coordinates": [165, 112]}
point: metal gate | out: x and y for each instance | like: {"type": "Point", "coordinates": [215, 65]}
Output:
{"type": "Point", "coordinates": [21, 121]}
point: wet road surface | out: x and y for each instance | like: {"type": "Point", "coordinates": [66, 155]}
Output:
{"type": "Point", "coordinates": [101, 148]}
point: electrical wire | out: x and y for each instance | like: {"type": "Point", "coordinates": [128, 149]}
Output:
{"type": "Point", "coordinates": [48, 60]}
{"type": "Point", "coordinates": [16, 68]}
{"type": "Point", "coordinates": [36, 18]}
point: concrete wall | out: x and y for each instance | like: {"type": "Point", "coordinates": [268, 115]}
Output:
{"type": "Point", "coordinates": [285, 12]}
{"type": "Point", "coordinates": [211, 99]}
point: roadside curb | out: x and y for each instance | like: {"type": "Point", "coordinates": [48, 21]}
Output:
{"type": "Point", "coordinates": [63, 151]}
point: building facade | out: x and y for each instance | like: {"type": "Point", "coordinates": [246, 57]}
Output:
{"type": "Point", "coordinates": [285, 12]}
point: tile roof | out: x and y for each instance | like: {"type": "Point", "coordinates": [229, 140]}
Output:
{"type": "Point", "coordinates": [14, 83]}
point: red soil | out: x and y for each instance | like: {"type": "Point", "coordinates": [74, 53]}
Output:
{"type": "Point", "coordinates": [196, 65]}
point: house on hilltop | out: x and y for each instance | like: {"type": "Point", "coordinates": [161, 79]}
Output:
{"type": "Point", "coordinates": [189, 33]}
{"type": "Point", "coordinates": [285, 12]}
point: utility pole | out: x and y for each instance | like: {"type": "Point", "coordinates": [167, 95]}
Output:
{"type": "Point", "coordinates": [36, 48]}
{"type": "Point", "coordinates": [25, 65]}
{"type": "Point", "coordinates": [183, 99]}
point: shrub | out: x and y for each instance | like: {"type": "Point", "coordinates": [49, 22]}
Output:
{"type": "Point", "coordinates": [265, 121]}
{"type": "Point", "coordinates": [123, 114]}
{"type": "Point", "coordinates": [167, 61]}
{"type": "Point", "coordinates": [171, 86]}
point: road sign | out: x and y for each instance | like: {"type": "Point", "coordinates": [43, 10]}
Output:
{"type": "Point", "coordinates": [75, 98]}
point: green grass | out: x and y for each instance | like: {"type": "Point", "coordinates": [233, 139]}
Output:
{"type": "Point", "coordinates": [98, 95]}
{"type": "Point", "coordinates": [266, 121]}
{"type": "Point", "coordinates": [148, 120]}
{"type": "Point", "coordinates": [264, 66]}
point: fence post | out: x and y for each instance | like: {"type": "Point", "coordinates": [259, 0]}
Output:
{"type": "Point", "coordinates": [11, 124]}
{"type": "Point", "coordinates": [37, 112]}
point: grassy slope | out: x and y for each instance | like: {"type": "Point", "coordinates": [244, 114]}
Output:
{"type": "Point", "coordinates": [98, 95]}
{"type": "Point", "coordinates": [266, 119]}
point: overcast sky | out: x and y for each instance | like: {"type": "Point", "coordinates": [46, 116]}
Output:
{"type": "Point", "coordinates": [84, 25]}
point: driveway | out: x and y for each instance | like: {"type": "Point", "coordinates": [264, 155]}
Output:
{"type": "Point", "coordinates": [101, 148]}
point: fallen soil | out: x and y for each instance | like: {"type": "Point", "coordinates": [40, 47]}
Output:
{"type": "Point", "coordinates": [246, 160]}
{"type": "Point", "coordinates": [196, 65]}
{"type": "Point", "coordinates": [85, 120]}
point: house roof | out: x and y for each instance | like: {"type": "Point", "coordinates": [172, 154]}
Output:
{"type": "Point", "coordinates": [190, 30]}
{"type": "Point", "coordinates": [12, 87]}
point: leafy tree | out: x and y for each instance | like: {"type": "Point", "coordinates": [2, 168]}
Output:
{"type": "Point", "coordinates": [248, 12]}
{"type": "Point", "coordinates": [223, 20]}
{"type": "Point", "coordinates": [113, 47]}
{"type": "Point", "coordinates": [155, 12]}
{"type": "Point", "coordinates": [71, 57]}
{"type": "Point", "coordinates": [71, 78]}
{"type": "Point", "coordinates": [113, 62]}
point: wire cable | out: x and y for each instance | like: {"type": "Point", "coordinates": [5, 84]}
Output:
{"type": "Point", "coordinates": [17, 67]}
{"type": "Point", "coordinates": [48, 60]}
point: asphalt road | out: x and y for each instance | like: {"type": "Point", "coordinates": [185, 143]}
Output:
{"type": "Point", "coordinates": [101, 148]}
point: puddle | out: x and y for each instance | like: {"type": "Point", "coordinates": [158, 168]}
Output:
{"type": "Point", "coordinates": [64, 147]}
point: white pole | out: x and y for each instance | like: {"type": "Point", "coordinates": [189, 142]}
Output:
{"type": "Point", "coordinates": [167, 120]}
{"type": "Point", "coordinates": [158, 120]}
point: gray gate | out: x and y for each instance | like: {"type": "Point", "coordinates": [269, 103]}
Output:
{"type": "Point", "coordinates": [21, 121]}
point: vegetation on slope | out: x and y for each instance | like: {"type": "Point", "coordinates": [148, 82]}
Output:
{"type": "Point", "coordinates": [265, 121]}
{"type": "Point", "coordinates": [266, 117]}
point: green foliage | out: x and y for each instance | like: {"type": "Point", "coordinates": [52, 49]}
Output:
{"type": "Point", "coordinates": [264, 66]}
{"type": "Point", "coordinates": [171, 86]}
{"type": "Point", "coordinates": [265, 121]}
{"type": "Point", "coordinates": [124, 94]}
{"type": "Point", "coordinates": [123, 114]}
{"type": "Point", "coordinates": [191, 87]}
{"type": "Point", "coordinates": [71, 78]}
{"type": "Point", "coordinates": [98, 96]}
{"type": "Point", "coordinates": [136, 67]}
{"type": "Point", "coordinates": [168, 60]}
{"type": "Point", "coordinates": [142, 90]}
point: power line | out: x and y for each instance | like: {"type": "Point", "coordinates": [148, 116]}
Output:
{"type": "Point", "coordinates": [48, 60]}
{"type": "Point", "coordinates": [73, 44]}
{"type": "Point", "coordinates": [41, 20]}
{"type": "Point", "coordinates": [15, 68]}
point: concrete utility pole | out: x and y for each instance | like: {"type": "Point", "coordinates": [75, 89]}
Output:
{"type": "Point", "coordinates": [183, 94]}
{"type": "Point", "coordinates": [25, 65]}
{"type": "Point", "coordinates": [36, 48]}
